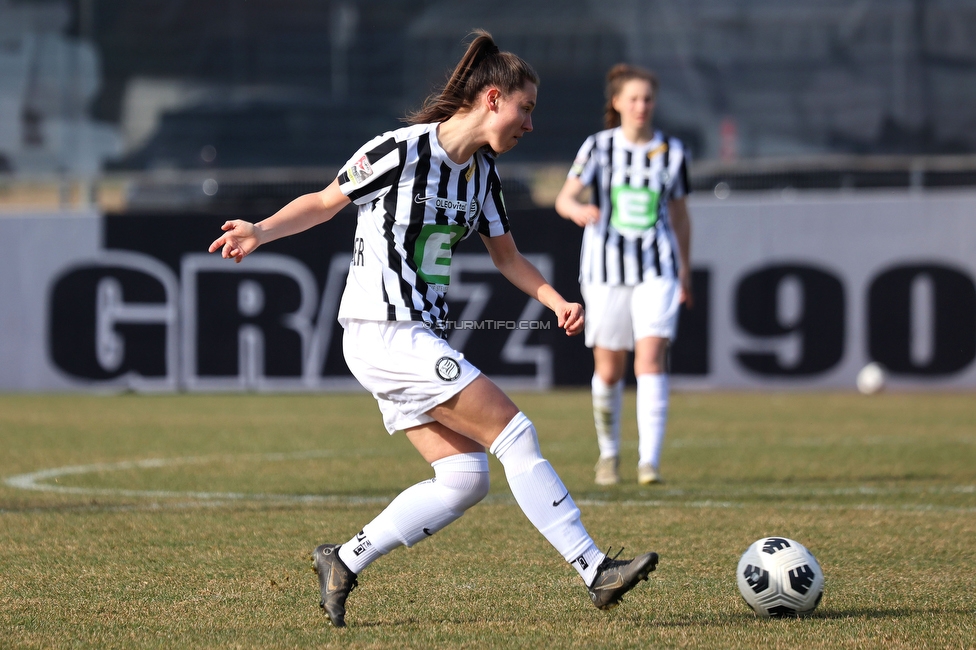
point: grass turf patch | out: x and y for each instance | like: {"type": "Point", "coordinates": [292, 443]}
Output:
{"type": "Point", "coordinates": [207, 543]}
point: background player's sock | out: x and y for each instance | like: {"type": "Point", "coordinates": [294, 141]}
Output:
{"type": "Point", "coordinates": [607, 401]}
{"type": "Point", "coordinates": [652, 417]}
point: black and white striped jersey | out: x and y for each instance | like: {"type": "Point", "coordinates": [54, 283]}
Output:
{"type": "Point", "coordinates": [631, 184]}
{"type": "Point", "coordinates": [415, 206]}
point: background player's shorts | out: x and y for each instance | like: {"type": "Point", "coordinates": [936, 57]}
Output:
{"type": "Point", "coordinates": [407, 368]}
{"type": "Point", "coordinates": [616, 316]}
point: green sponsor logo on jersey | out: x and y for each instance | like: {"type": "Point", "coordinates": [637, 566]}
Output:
{"type": "Point", "coordinates": [432, 252]}
{"type": "Point", "coordinates": [634, 208]}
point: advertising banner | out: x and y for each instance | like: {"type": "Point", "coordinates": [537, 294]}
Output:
{"type": "Point", "coordinates": [794, 291]}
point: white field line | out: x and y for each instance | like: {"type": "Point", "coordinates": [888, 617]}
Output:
{"type": "Point", "coordinates": [40, 481]}
{"type": "Point", "coordinates": [705, 504]}
{"type": "Point", "coordinates": [34, 480]}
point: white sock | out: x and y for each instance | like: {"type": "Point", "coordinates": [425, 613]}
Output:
{"type": "Point", "coordinates": [543, 497]}
{"type": "Point", "coordinates": [607, 401]}
{"type": "Point", "coordinates": [652, 417]}
{"type": "Point", "coordinates": [459, 482]}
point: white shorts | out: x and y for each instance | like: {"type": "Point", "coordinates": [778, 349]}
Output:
{"type": "Point", "coordinates": [407, 368]}
{"type": "Point", "coordinates": [616, 316]}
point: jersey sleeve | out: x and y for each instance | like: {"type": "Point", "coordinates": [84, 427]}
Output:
{"type": "Point", "coordinates": [584, 165]}
{"type": "Point", "coordinates": [680, 188]}
{"type": "Point", "coordinates": [493, 218]}
{"type": "Point", "coordinates": [371, 171]}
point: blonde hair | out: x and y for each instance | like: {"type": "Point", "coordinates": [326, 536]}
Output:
{"type": "Point", "coordinates": [481, 66]}
{"type": "Point", "coordinates": [616, 78]}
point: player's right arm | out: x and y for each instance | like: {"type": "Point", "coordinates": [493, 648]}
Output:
{"type": "Point", "coordinates": [568, 205]}
{"type": "Point", "coordinates": [681, 225]}
{"type": "Point", "coordinates": [242, 238]}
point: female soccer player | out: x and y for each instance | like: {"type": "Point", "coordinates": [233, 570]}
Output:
{"type": "Point", "coordinates": [419, 190]}
{"type": "Point", "coordinates": [634, 269]}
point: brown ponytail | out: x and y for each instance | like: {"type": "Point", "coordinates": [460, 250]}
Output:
{"type": "Point", "coordinates": [616, 78]}
{"type": "Point", "coordinates": [481, 66]}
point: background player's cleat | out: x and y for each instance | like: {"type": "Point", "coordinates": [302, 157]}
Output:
{"type": "Point", "coordinates": [606, 471]}
{"type": "Point", "coordinates": [616, 577]}
{"type": "Point", "coordinates": [335, 582]}
{"type": "Point", "coordinates": [646, 474]}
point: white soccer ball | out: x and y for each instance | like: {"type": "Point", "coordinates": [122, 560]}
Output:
{"type": "Point", "coordinates": [871, 379]}
{"type": "Point", "coordinates": [779, 577]}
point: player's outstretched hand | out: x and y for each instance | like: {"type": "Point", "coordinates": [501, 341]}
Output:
{"type": "Point", "coordinates": [571, 318]}
{"type": "Point", "coordinates": [240, 238]}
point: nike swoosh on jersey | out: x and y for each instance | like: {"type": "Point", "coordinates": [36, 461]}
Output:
{"type": "Point", "coordinates": [422, 199]}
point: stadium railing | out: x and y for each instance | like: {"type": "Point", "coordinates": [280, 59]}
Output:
{"type": "Point", "coordinates": [526, 185]}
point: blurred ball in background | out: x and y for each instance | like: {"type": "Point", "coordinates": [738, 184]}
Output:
{"type": "Point", "coordinates": [871, 379]}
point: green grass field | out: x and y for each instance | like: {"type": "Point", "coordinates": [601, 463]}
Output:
{"type": "Point", "coordinates": [187, 522]}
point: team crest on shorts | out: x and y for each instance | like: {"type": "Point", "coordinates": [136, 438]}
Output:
{"type": "Point", "coordinates": [447, 369]}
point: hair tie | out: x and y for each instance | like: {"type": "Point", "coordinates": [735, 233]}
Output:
{"type": "Point", "coordinates": [487, 51]}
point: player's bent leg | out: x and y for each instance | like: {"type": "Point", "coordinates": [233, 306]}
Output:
{"type": "Point", "coordinates": [478, 412]}
{"type": "Point", "coordinates": [435, 441]}
{"type": "Point", "coordinates": [460, 481]}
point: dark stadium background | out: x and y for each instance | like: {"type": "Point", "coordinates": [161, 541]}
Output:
{"type": "Point", "coordinates": [230, 108]}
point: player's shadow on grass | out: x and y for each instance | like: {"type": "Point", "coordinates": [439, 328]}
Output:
{"type": "Point", "coordinates": [884, 613]}
{"type": "Point", "coordinates": [426, 622]}
{"type": "Point", "coordinates": [717, 621]}
{"type": "Point", "coordinates": [827, 614]}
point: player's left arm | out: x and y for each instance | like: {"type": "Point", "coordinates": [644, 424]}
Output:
{"type": "Point", "coordinates": [524, 275]}
{"type": "Point", "coordinates": [242, 238]}
{"type": "Point", "coordinates": [681, 223]}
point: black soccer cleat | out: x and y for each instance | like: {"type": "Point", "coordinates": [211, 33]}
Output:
{"type": "Point", "coordinates": [616, 577]}
{"type": "Point", "coordinates": [335, 582]}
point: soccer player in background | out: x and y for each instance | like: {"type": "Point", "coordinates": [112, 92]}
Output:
{"type": "Point", "coordinates": [634, 263]}
{"type": "Point", "coordinates": [419, 190]}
